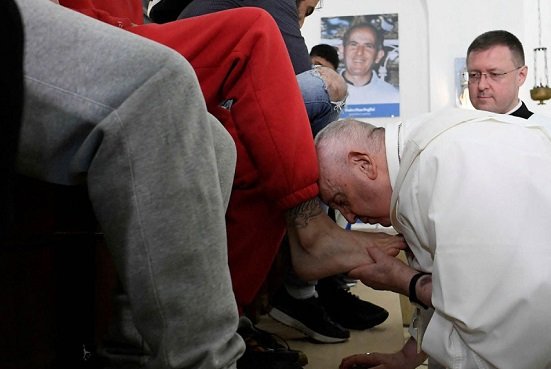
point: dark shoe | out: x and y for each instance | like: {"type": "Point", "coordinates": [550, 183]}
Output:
{"type": "Point", "coordinates": [163, 11]}
{"type": "Point", "coordinates": [348, 309]}
{"type": "Point", "coordinates": [308, 316]}
{"type": "Point", "coordinates": [265, 350]}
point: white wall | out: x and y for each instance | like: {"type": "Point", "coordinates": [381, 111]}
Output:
{"type": "Point", "coordinates": [435, 32]}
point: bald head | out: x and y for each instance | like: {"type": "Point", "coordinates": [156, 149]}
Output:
{"type": "Point", "coordinates": [353, 170]}
{"type": "Point", "coordinates": [335, 141]}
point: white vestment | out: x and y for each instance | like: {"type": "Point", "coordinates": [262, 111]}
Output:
{"type": "Point", "coordinates": [472, 197]}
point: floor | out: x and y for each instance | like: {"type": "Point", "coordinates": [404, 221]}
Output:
{"type": "Point", "coordinates": [387, 337]}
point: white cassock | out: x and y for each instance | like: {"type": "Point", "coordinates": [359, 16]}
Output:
{"type": "Point", "coordinates": [472, 197]}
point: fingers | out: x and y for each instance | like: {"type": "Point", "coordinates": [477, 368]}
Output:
{"type": "Point", "coordinates": [359, 361]}
{"type": "Point", "coordinates": [398, 243]}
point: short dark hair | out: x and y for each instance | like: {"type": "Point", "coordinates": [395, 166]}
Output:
{"type": "Point", "coordinates": [499, 37]}
{"type": "Point", "coordinates": [327, 52]}
{"type": "Point", "coordinates": [375, 30]}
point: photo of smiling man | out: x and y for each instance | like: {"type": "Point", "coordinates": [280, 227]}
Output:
{"type": "Point", "coordinates": [369, 52]}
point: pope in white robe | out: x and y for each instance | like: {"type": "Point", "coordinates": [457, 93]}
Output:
{"type": "Point", "coordinates": [471, 193]}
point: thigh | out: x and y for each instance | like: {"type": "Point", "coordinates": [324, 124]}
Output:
{"type": "Point", "coordinates": [76, 74]}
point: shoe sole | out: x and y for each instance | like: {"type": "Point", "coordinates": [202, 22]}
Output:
{"type": "Point", "coordinates": [288, 320]}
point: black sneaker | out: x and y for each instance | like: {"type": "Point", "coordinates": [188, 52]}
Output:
{"type": "Point", "coordinates": [348, 309]}
{"type": "Point", "coordinates": [163, 11]}
{"type": "Point", "coordinates": [265, 350]}
{"type": "Point", "coordinates": [308, 316]}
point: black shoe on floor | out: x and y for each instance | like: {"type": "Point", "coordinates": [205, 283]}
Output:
{"type": "Point", "coordinates": [348, 309]}
{"type": "Point", "coordinates": [308, 316]}
{"type": "Point", "coordinates": [266, 351]}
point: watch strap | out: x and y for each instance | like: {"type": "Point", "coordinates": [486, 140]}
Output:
{"type": "Point", "coordinates": [412, 289]}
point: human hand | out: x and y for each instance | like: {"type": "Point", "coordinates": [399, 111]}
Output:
{"type": "Point", "coordinates": [407, 358]}
{"type": "Point", "coordinates": [375, 360]}
{"type": "Point", "coordinates": [335, 83]}
{"type": "Point", "coordinates": [385, 273]}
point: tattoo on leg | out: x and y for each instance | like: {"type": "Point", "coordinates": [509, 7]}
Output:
{"type": "Point", "coordinates": [301, 214]}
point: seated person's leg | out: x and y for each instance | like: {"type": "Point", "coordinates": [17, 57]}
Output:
{"type": "Point", "coordinates": [126, 116]}
{"type": "Point", "coordinates": [324, 94]}
{"type": "Point", "coordinates": [259, 103]}
{"type": "Point", "coordinates": [296, 303]}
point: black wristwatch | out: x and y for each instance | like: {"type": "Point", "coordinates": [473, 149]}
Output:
{"type": "Point", "coordinates": [412, 291]}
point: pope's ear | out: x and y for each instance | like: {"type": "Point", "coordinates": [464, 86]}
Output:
{"type": "Point", "coordinates": [363, 162]}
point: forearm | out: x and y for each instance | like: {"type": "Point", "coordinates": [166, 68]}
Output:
{"type": "Point", "coordinates": [422, 286]}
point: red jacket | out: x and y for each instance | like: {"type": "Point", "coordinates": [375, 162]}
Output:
{"type": "Point", "coordinates": [120, 13]}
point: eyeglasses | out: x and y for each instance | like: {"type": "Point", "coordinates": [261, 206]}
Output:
{"type": "Point", "coordinates": [473, 77]}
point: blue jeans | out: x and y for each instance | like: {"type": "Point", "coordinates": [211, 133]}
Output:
{"type": "Point", "coordinates": [321, 110]}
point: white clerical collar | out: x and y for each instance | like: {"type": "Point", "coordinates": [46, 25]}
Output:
{"type": "Point", "coordinates": [394, 145]}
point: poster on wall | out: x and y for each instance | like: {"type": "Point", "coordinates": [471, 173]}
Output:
{"type": "Point", "coordinates": [369, 62]}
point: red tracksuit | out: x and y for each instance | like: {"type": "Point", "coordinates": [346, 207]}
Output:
{"type": "Point", "coordinates": [240, 55]}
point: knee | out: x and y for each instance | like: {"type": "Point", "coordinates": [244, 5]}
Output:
{"type": "Point", "coordinates": [331, 84]}
{"type": "Point", "coordinates": [175, 68]}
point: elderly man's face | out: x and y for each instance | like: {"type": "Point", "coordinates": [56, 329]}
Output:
{"type": "Point", "coordinates": [360, 52]}
{"type": "Point", "coordinates": [355, 195]}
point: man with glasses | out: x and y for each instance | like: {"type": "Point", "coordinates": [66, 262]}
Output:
{"type": "Point", "coordinates": [495, 72]}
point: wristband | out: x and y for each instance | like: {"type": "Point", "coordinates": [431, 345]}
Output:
{"type": "Point", "coordinates": [412, 293]}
